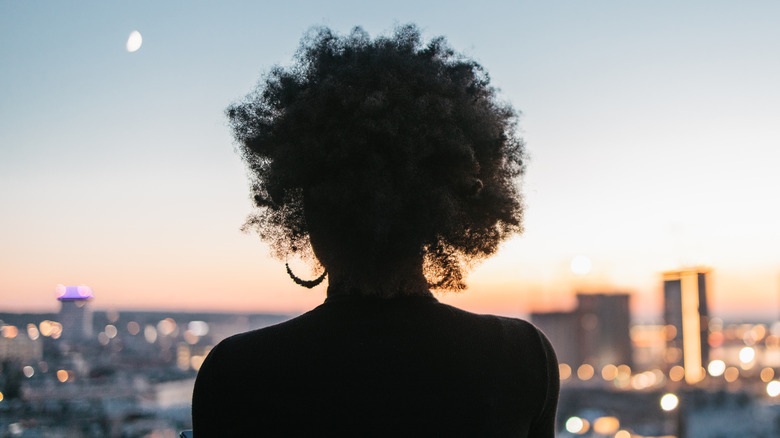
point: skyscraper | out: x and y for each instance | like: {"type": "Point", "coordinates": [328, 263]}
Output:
{"type": "Point", "coordinates": [596, 332]}
{"type": "Point", "coordinates": [686, 318]}
{"type": "Point", "coordinates": [75, 313]}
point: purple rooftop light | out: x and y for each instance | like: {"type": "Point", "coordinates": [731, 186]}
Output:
{"type": "Point", "coordinates": [74, 292]}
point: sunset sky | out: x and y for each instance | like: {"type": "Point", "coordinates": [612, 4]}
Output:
{"type": "Point", "coordinates": [653, 130]}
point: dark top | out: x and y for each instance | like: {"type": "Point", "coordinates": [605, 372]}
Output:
{"type": "Point", "coordinates": [357, 366]}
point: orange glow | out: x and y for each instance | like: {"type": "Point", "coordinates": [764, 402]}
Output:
{"type": "Point", "coordinates": [691, 326]}
{"type": "Point", "coordinates": [9, 331]}
{"type": "Point", "coordinates": [609, 372]}
{"type": "Point", "coordinates": [585, 371]}
{"type": "Point", "coordinates": [196, 362]}
{"type": "Point", "coordinates": [606, 425]}
{"type": "Point", "coordinates": [731, 374]}
{"type": "Point", "coordinates": [715, 339]}
{"type": "Point", "coordinates": [62, 376]}
{"type": "Point", "coordinates": [676, 373]}
{"type": "Point", "coordinates": [670, 332]}
{"type": "Point", "coordinates": [564, 371]}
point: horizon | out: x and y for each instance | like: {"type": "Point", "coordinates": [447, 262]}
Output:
{"type": "Point", "coordinates": [651, 131]}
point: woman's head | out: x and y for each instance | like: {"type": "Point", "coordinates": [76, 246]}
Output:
{"type": "Point", "coordinates": [380, 152]}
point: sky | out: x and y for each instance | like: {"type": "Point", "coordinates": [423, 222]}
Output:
{"type": "Point", "coordinates": [652, 129]}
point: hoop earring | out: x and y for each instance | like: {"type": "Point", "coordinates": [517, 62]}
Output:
{"type": "Point", "coordinates": [305, 283]}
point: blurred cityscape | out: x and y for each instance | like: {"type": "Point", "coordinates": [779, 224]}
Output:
{"type": "Point", "coordinates": [87, 373]}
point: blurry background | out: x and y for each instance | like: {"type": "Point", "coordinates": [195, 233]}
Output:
{"type": "Point", "coordinates": [651, 128]}
{"type": "Point", "coordinates": [653, 136]}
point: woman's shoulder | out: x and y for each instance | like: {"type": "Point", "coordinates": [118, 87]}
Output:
{"type": "Point", "coordinates": [510, 327]}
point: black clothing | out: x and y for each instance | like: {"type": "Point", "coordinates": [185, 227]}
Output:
{"type": "Point", "coordinates": [357, 366]}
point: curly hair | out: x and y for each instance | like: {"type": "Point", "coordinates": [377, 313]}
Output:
{"type": "Point", "coordinates": [390, 146]}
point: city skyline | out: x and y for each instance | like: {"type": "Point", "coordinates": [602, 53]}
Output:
{"type": "Point", "coordinates": [651, 133]}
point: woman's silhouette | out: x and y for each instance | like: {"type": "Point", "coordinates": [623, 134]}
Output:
{"type": "Point", "coordinates": [391, 165]}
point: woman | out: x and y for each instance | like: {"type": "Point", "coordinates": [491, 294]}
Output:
{"type": "Point", "coordinates": [391, 165]}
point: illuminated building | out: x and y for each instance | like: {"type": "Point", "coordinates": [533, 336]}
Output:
{"type": "Point", "coordinates": [75, 313]}
{"type": "Point", "coordinates": [596, 332]}
{"type": "Point", "coordinates": [686, 318]}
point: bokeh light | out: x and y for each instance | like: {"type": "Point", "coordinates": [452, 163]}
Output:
{"type": "Point", "coordinates": [716, 368]}
{"type": "Point", "coordinates": [669, 402]}
{"type": "Point", "coordinates": [133, 328]}
{"type": "Point", "coordinates": [32, 332]}
{"type": "Point", "coordinates": [731, 374]}
{"type": "Point", "coordinates": [581, 265]}
{"type": "Point", "coordinates": [576, 425]}
{"type": "Point", "coordinates": [62, 376]}
{"type": "Point", "coordinates": [606, 425]}
{"type": "Point", "coordinates": [585, 371]}
{"type": "Point", "coordinates": [111, 331]}
{"type": "Point", "coordinates": [564, 371]}
{"type": "Point", "coordinates": [9, 331]}
{"type": "Point", "coordinates": [609, 372]}
{"type": "Point", "coordinates": [747, 354]}
{"type": "Point", "coordinates": [150, 334]}
{"type": "Point", "coordinates": [773, 388]}
{"type": "Point", "coordinates": [198, 328]}
{"type": "Point", "coordinates": [676, 373]}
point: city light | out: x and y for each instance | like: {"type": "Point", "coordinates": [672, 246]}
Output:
{"type": "Point", "coordinates": [609, 372]}
{"type": "Point", "coordinates": [111, 331]}
{"type": "Point", "coordinates": [166, 327]}
{"type": "Point", "coordinates": [623, 434]}
{"type": "Point", "coordinates": [564, 371]}
{"type": "Point", "coordinates": [669, 402]}
{"type": "Point", "coordinates": [196, 362]}
{"type": "Point", "coordinates": [747, 354]}
{"type": "Point", "coordinates": [606, 425]}
{"type": "Point", "coordinates": [716, 368]}
{"type": "Point", "coordinates": [150, 334]}
{"type": "Point", "coordinates": [773, 388]}
{"type": "Point", "coordinates": [676, 373]}
{"type": "Point", "coordinates": [585, 371]}
{"type": "Point", "coordinates": [767, 374]}
{"type": "Point", "coordinates": [9, 331]}
{"type": "Point", "coordinates": [32, 332]}
{"type": "Point", "coordinates": [198, 328]}
{"type": "Point", "coordinates": [28, 371]}
{"type": "Point", "coordinates": [577, 425]}
{"type": "Point", "coordinates": [731, 374]}
{"type": "Point", "coordinates": [133, 328]}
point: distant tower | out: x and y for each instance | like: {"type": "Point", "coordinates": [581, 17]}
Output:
{"type": "Point", "coordinates": [604, 328]}
{"type": "Point", "coordinates": [596, 332]}
{"type": "Point", "coordinates": [687, 319]}
{"type": "Point", "coordinates": [75, 312]}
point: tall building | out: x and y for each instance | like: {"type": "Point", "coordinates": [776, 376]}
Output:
{"type": "Point", "coordinates": [75, 312]}
{"type": "Point", "coordinates": [605, 328]}
{"type": "Point", "coordinates": [687, 319]}
{"type": "Point", "coordinates": [596, 332]}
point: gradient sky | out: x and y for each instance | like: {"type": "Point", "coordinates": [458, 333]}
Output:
{"type": "Point", "coordinates": [653, 130]}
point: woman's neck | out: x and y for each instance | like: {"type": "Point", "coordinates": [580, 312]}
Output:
{"type": "Point", "coordinates": [387, 281]}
